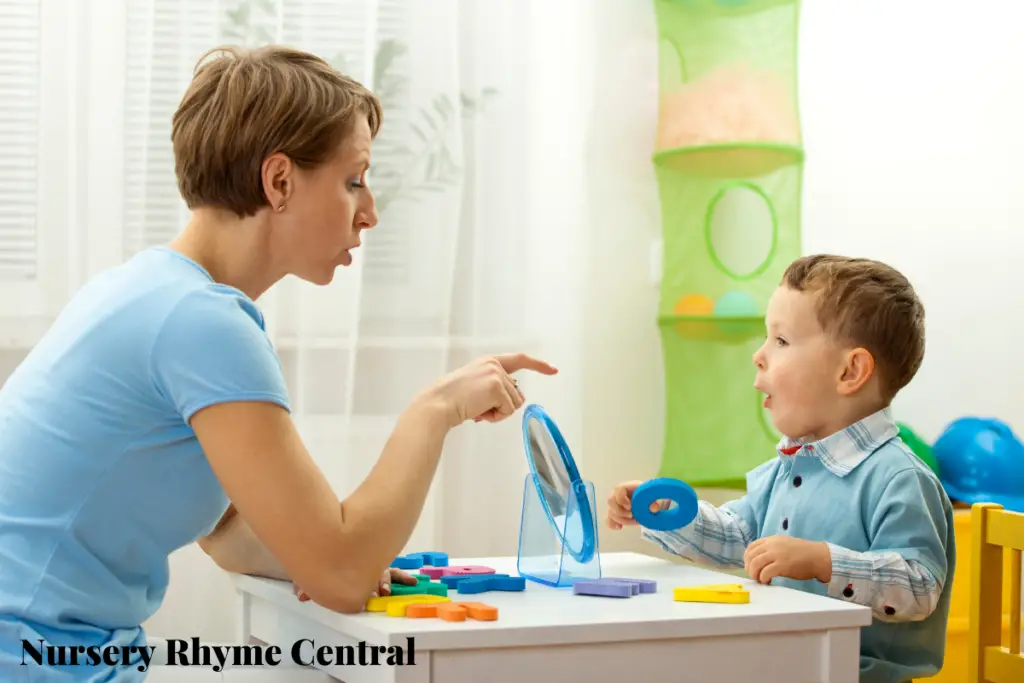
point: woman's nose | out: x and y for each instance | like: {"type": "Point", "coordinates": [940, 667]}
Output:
{"type": "Point", "coordinates": [367, 217]}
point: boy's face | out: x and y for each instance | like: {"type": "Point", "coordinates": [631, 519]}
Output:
{"type": "Point", "coordinates": [798, 367]}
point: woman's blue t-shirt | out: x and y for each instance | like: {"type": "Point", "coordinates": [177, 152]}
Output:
{"type": "Point", "coordinates": [101, 477]}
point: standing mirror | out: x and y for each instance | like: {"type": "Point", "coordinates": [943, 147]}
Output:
{"type": "Point", "coordinates": [561, 490]}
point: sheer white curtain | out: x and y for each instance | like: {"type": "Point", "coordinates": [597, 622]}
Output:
{"type": "Point", "coordinates": [478, 250]}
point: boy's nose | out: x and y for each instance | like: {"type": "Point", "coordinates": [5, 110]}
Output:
{"type": "Point", "coordinates": [758, 359]}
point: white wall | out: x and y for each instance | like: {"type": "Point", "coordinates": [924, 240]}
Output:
{"type": "Point", "coordinates": [910, 123]}
{"type": "Point", "coordinates": [914, 149]}
{"type": "Point", "coordinates": [623, 408]}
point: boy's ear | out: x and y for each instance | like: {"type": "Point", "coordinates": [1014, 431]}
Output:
{"type": "Point", "coordinates": [858, 367]}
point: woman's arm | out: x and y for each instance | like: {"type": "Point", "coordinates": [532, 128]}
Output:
{"type": "Point", "coordinates": [337, 551]}
{"type": "Point", "coordinates": [235, 548]}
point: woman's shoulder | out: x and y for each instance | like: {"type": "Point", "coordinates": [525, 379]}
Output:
{"type": "Point", "coordinates": [211, 348]}
{"type": "Point", "coordinates": [213, 304]}
{"type": "Point", "coordinates": [156, 290]}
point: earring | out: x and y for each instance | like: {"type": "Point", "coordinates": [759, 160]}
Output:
{"type": "Point", "coordinates": [280, 208]}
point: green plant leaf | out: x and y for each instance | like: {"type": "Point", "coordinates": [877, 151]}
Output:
{"type": "Point", "coordinates": [339, 62]}
{"type": "Point", "coordinates": [388, 51]}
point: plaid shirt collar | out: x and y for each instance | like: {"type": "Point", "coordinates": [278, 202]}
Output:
{"type": "Point", "coordinates": [843, 451]}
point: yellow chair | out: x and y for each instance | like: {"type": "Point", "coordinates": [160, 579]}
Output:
{"type": "Point", "coordinates": [996, 535]}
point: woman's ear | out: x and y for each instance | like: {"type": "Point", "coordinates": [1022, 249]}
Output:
{"type": "Point", "coordinates": [858, 368]}
{"type": "Point", "coordinates": [277, 177]}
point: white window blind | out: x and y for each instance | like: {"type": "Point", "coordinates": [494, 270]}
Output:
{"type": "Point", "coordinates": [164, 40]}
{"type": "Point", "coordinates": [166, 37]}
{"type": "Point", "coordinates": [19, 138]}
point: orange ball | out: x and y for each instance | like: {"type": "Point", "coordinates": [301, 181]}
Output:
{"type": "Point", "coordinates": [697, 306]}
{"type": "Point", "coordinates": [694, 304]}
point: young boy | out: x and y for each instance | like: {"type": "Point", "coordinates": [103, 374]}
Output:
{"type": "Point", "coordinates": [845, 509]}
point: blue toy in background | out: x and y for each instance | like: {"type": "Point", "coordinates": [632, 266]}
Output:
{"type": "Point", "coordinates": [664, 488]}
{"type": "Point", "coordinates": [981, 460]}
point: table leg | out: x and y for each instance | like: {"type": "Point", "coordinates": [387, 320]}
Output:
{"type": "Point", "coordinates": [243, 629]}
{"type": "Point", "coordinates": [841, 657]}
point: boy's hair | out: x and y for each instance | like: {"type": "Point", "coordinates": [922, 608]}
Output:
{"type": "Point", "coordinates": [244, 105]}
{"type": "Point", "coordinates": [869, 304]}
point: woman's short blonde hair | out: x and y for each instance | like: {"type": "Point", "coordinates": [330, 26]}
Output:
{"type": "Point", "coordinates": [244, 105]}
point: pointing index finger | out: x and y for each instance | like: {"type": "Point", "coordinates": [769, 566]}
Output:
{"type": "Point", "coordinates": [514, 362]}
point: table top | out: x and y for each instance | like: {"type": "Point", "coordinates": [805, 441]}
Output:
{"type": "Point", "coordinates": [542, 615]}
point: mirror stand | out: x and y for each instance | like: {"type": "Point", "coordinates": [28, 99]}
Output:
{"type": "Point", "coordinates": [543, 556]}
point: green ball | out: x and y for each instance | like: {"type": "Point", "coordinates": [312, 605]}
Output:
{"type": "Point", "coordinates": [920, 447]}
{"type": "Point", "coordinates": [740, 318]}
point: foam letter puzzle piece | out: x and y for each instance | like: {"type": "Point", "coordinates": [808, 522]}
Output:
{"type": "Point", "coordinates": [407, 562]}
{"type": "Point", "coordinates": [468, 570]}
{"type": "Point", "coordinates": [395, 605]}
{"type": "Point", "coordinates": [604, 589]}
{"type": "Point", "coordinates": [640, 585]}
{"type": "Point", "coordinates": [454, 580]}
{"type": "Point", "coordinates": [494, 582]}
{"type": "Point", "coordinates": [432, 558]}
{"type": "Point", "coordinates": [454, 611]}
{"type": "Point", "coordinates": [730, 593]}
{"type": "Point", "coordinates": [614, 587]}
{"type": "Point", "coordinates": [429, 558]}
{"type": "Point", "coordinates": [417, 560]}
{"type": "Point", "coordinates": [424, 586]}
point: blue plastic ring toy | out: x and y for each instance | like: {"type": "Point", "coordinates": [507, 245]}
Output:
{"type": "Point", "coordinates": [664, 488]}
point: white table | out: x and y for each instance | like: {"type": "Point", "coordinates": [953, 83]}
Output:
{"type": "Point", "coordinates": [545, 634]}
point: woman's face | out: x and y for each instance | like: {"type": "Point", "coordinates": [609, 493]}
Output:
{"type": "Point", "coordinates": [328, 208]}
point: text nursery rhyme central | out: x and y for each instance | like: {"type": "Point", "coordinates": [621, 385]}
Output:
{"type": "Point", "coordinates": [304, 652]}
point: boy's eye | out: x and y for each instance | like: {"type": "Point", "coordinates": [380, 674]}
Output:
{"type": "Point", "coordinates": [779, 341]}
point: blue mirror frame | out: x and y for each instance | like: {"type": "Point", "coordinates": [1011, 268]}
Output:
{"type": "Point", "coordinates": [578, 487]}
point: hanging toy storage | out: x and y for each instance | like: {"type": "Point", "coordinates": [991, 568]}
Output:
{"type": "Point", "coordinates": [729, 166]}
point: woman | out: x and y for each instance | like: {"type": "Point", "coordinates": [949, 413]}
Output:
{"type": "Point", "coordinates": [154, 412]}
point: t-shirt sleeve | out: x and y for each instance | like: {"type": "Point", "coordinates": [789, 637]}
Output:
{"type": "Point", "coordinates": [212, 349]}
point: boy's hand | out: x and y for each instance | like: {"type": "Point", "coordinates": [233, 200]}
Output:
{"type": "Point", "coordinates": [620, 511]}
{"type": "Point", "coordinates": [789, 558]}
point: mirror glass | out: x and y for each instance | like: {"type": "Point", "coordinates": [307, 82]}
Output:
{"type": "Point", "coordinates": [550, 469]}
{"type": "Point", "coordinates": [561, 490]}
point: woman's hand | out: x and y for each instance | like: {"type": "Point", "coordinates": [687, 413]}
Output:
{"type": "Point", "coordinates": [484, 389]}
{"type": "Point", "coordinates": [383, 588]}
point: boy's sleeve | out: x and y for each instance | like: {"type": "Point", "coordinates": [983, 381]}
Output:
{"type": "Point", "coordinates": [902, 576]}
{"type": "Point", "coordinates": [212, 349]}
{"type": "Point", "coordinates": [720, 535]}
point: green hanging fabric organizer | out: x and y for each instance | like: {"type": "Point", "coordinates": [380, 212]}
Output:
{"type": "Point", "coordinates": [729, 165]}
